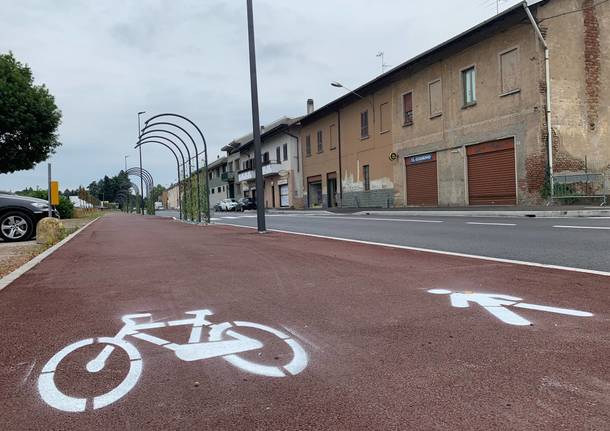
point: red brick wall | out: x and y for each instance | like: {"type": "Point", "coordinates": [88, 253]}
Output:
{"type": "Point", "coordinates": [592, 62]}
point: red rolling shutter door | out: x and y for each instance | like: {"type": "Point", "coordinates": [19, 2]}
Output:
{"type": "Point", "coordinates": [491, 173]}
{"type": "Point", "coordinates": [422, 186]}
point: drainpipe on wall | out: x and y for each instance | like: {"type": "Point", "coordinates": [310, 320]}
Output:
{"type": "Point", "coordinates": [297, 139]}
{"type": "Point", "coordinates": [339, 151]}
{"type": "Point", "coordinates": [547, 67]}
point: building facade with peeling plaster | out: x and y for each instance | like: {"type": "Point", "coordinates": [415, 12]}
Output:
{"type": "Point", "coordinates": [466, 122]}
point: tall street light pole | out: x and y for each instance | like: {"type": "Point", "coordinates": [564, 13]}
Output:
{"type": "Point", "coordinates": [140, 151]}
{"type": "Point", "coordinates": [258, 168]}
{"type": "Point", "coordinates": [126, 162]}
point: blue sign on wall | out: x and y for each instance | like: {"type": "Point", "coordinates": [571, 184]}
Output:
{"type": "Point", "coordinates": [421, 158]}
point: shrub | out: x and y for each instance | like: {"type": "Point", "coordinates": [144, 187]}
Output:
{"type": "Point", "coordinates": [65, 207]}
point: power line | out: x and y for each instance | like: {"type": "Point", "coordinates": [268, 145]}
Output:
{"type": "Point", "coordinates": [593, 6]}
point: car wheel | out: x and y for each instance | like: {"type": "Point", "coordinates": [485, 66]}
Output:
{"type": "Point", "coordinates": [16, 226]}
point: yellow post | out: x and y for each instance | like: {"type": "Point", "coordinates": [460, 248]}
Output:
{"type": "Point", "coordinates": [54, 193]}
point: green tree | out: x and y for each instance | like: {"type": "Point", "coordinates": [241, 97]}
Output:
{"type": "Point", "coordinates": [157, 191]}
{"type": "Point", "coordinates": [29, 118]}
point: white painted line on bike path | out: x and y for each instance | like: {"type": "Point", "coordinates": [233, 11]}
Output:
{"type": "Point", "coordinates": [9, 278]}
{"type": "Point", "coordinates": [441, 252]}
{"type": "Point", "coordinates": [583, 227]}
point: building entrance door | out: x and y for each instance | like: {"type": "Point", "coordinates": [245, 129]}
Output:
{"type": "Point", "coordinates": [331, 189]}
{"type": "Point", "coordinates": [314, 191]}
{"type": "Point", "coordinates": [284, 196]}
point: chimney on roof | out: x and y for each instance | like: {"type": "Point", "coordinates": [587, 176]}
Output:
{"type": "Point", "coordinates": [309, 106]}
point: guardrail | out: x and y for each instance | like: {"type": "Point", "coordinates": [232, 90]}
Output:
{"type": "Point", "coordinates": [581, 185]}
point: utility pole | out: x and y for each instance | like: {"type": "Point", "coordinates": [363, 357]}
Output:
{"type": "Point", "coordinates": [256, 132]}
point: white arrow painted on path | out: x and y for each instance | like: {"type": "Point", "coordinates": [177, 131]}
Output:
{"type": "Point", "coordinates": [497, 304]}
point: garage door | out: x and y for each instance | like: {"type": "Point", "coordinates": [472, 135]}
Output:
{"type": "Point", "coordinates": [491, 173]}
{"type": "Point", "coordinates": [422, 186]}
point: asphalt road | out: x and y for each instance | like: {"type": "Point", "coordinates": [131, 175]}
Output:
{"type": "Point", "coordinates": [572, 242]}
{"type": "Point", "coordinates": [351, 337]}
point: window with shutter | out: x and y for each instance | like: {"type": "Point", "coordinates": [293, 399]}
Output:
{"type": "Point", "coordinates": [469, 86]}
{"type": "Point", "coordinates": [320, 143]}
{"type": "Point", "coordinates": [435, 93]}
{"type": "Point", "coordinates": [364, 124]}
{"type": "Point", "coordinates": [407, 107]}
{"type": "Point", "coordinates": [509, 71]}
{"type": "Point", "coordinates": [385, 121]}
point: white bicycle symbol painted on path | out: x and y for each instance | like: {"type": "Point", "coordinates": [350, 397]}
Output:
{"type": "Point", "coordinates": [223, 341]}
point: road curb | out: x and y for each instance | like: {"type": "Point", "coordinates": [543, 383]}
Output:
{"type": "Point", "coordinates": [12, 276]}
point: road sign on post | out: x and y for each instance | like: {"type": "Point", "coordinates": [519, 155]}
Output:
{"type": "Point", "coordinates": [54, 193]}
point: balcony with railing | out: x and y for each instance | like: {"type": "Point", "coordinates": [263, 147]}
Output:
{"type": "Point", "coordinates": [228, 176]}
{"type": "Point", "coordinates": [270, 167]}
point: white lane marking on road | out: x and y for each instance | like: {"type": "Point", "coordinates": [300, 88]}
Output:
{"type": "Point", "coordinates": [583, 227]}
{"type": "Point", "coordinates": [364, 218]}
{"type": "Point", "coordinates": [491, 224]}
{"type": "Point", "coordinates": [428, 250]}
{"type": "Point", "coordinates": [497, 305]}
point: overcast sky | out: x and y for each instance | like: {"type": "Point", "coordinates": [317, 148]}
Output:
{"type": "Point", "coordinates": [106, 60]}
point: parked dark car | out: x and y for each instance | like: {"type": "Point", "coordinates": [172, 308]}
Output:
{"type": "Point", "coordinates": [246, 204]}
{"type": "Point", "coordinates": [19, 216]}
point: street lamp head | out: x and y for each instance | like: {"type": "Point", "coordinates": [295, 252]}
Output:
{"type": "Point", "coordinates": [336, 84]}
{"type": "Point", "coordinates": [141, 112]}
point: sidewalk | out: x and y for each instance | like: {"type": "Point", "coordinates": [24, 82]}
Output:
{"type": "Point", "coordinates": [484, 211]}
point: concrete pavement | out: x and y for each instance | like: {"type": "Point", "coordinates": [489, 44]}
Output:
{"type": "Point", "coordinates": [382, 352]}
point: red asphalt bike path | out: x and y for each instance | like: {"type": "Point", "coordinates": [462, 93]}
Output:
{"type": "Point", "coordinates": [382, 352]}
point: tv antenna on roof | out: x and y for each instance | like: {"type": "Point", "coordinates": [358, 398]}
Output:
{"type": "Point", "coordinates": [384, 66]}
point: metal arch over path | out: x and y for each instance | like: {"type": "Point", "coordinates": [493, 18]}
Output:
{"type": "Point", "coordinates": [135, 187]}
{"type": "Point", "coordinates": [205, 154]}
{"type": "Point", "coordinates": [151, 141]}
{"type": "Point", "coordinates": [147, 137]}
{"type": "Point", "coordinates": [147, 130]}
{"type": "Point", "coordinates": [136, 171]}
{"type": "Point", "coordinates": [146, 177]}
{"type": "Point", "coordinates": [144, 174]}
